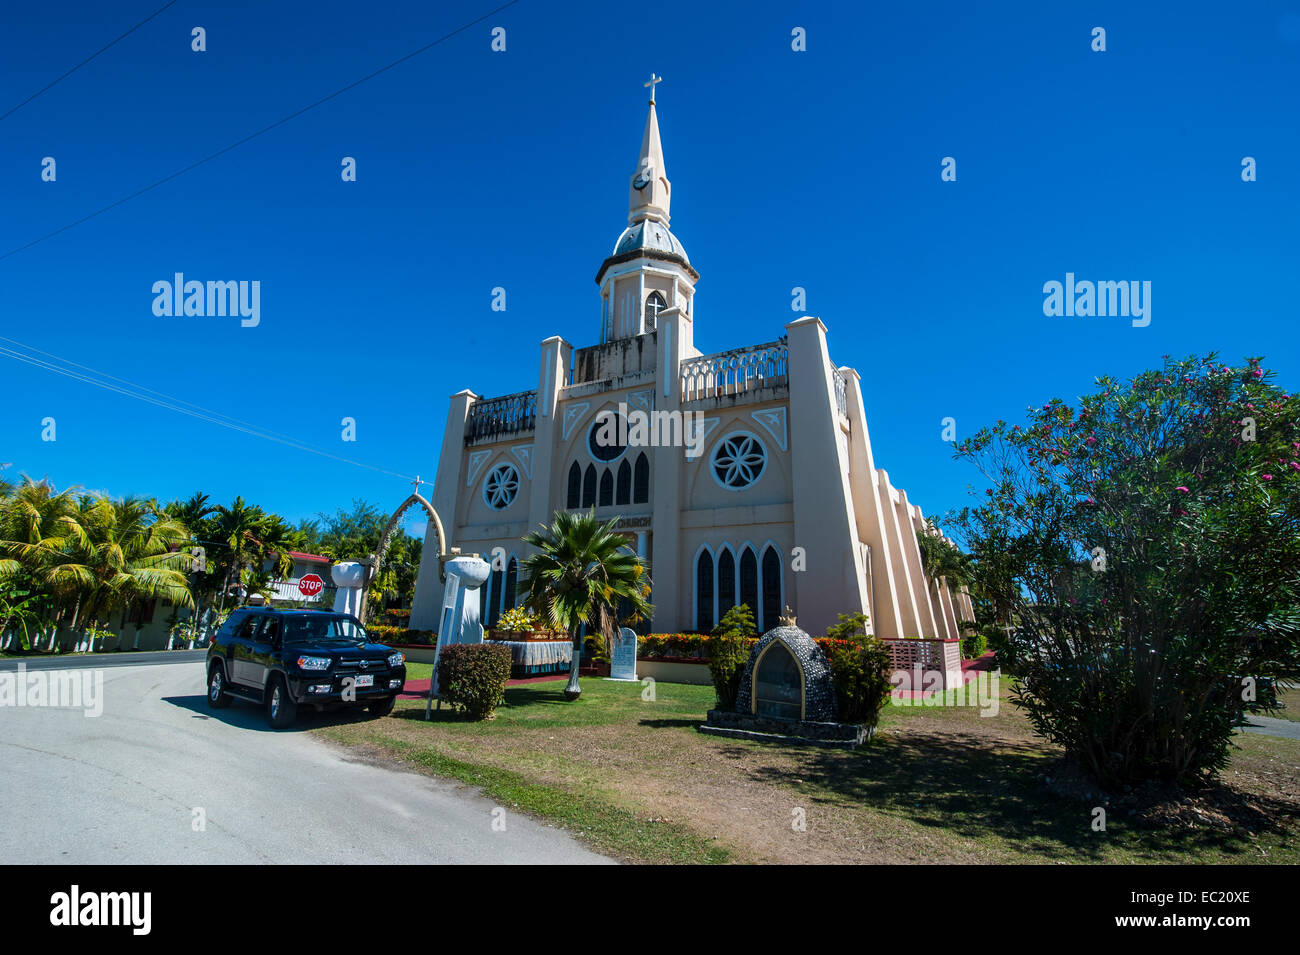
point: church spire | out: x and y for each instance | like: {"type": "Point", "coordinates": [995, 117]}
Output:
{"type": "Point", "coordinates": [650, 192]}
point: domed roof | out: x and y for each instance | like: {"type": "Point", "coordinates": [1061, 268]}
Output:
{"type": "Point", "coordinates": [649, 234]}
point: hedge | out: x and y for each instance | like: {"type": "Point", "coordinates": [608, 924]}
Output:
{"type": "Point", "coordinates": [695, 646]}
{"type": "Point", "coordinates": [472, 677]}
{"type": "Point", "coordinates": [382, 633]}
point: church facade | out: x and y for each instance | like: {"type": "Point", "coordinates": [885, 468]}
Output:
{"type": "Point", "coordinates": [755, 484]}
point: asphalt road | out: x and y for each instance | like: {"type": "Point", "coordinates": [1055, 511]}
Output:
{"type": "Point", "coordinates": [123, 787]}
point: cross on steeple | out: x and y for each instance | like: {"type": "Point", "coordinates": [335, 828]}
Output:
{"type": "Point", "coordinates": [653, 81]}
{"type": "Point", "coordinates": [417, 482]}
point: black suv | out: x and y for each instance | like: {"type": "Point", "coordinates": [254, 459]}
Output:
{"type": "Point", "coordinates": [282, 659]}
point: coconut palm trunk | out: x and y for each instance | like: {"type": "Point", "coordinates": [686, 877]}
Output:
{"type": "Point", "coordinates": [573, 689]}
{"type": "Point", "coordinates": [581, 571]}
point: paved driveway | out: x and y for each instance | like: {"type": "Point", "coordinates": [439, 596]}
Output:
{"type": "Point", "coordinates": [124, 787]}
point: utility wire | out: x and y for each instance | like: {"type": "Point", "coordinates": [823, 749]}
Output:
{"type": "Point", "coordinates": [138, 387]}
{"type": "Point", "coordinates": [171, 405]}
{"type": "Point", "coordinates": [263, 130]}
{"type": "Point", "coordinates": [54, 83]}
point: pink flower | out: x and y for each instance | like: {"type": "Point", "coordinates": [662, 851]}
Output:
{"type": "Point", "coordinates": [1091, 441]}
{"type": "Point", "coordinates": [1257, 373]}
{"type": "Point", "coordinates": [1268, 477]}
{"type": "Point", "coordinates": [1183, 489]}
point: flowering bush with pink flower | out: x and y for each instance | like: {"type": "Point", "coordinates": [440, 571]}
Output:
{"type": "Point", "coordinates": [1145, 549]}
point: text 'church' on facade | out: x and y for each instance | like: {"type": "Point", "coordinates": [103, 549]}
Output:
{"type": "Point", "coordinates": [777, 499]}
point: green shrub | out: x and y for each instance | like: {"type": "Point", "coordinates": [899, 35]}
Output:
{"type": "Point", "coordinates": [472, 677]}
{"type": "Point", "coordinates": [974, 645]}
{"type": "Point", "coordinates": [382, 633]}
{"type": "Point", "coordinates": [669, 646]}
{"type": "Point", "coordinates": [851, 626]}
{"type": "Point", "coordinates": [729, 648]}
{"type": "Point", "coordinates": [860, 669]}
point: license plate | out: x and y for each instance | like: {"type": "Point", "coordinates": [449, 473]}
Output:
{"type": "Point", "coordinates": [365, 680]}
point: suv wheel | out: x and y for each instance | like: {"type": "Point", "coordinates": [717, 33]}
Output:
{"type": "Point", "coordinates": [383, 707]}
{"type": "Point", "coordinates": [280, 707]}
{"type": "Point", "coordinates": [218, 698]}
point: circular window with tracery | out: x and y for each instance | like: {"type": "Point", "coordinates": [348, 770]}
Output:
{"type": "Point", "coordinates": [739, 461]}
{"type": "Point", "coordinates": [501, 486]}
{"type": "Point", "coordinates": [606, 438]}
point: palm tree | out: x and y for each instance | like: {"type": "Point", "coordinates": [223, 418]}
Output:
{"type": "Point", "coordinates": [124, 552]}
{"type": "Point", "coordinates": [237, 527]}
{"type": "Point", "coordinates": [36, 523]}
{"type": "Point", "coordinates": [941, 562]}
{"type": "Point", "coordinates": [581, 571]}
{"type": "Point", "coordinates": [193, 513]}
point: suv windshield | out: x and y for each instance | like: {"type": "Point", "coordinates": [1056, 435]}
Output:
{"type": "Point", "coordinates": [322, 629]}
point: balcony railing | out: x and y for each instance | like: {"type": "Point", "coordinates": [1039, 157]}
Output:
{"type": "Point", "coordinates": [737, 371]}
{"type": "Point", "coordinates": [501, 417]}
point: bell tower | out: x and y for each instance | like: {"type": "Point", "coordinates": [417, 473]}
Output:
{"type": "Point", "coordinates": [648, 271]}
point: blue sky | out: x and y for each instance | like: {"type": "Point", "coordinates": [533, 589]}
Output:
{"type": "Point", "coordinates": [477, 169]}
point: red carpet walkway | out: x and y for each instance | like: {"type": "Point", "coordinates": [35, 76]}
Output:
{"type": "Point", "coordinates": [419, 689]}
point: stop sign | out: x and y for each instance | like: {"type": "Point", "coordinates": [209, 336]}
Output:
{"type": "Point", "coordinates": [310, 585]}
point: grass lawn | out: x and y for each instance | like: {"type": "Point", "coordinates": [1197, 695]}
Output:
{"type": "Point", "coordinates": [1290, 696]}
{"type": "Point", "coordinates": [637, 781]}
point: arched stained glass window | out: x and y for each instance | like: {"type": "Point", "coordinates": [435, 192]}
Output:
{"type": "Point", "coordinates": [749, 581]}
{"type": "Point", "coordinates": [623, 492]}
{"type": "Point", "coordinates": [641, 480]}
{"type": "Point", "coordinates": [726, 582]}
{"type": "Point", "coordinates": [704, 592]}
{"type": "Point", "coordinates": [575, 486]}
{"type": "Point", "coordinates": [771, 589]}
{"type": "Point", "coordinates": [606, 488]}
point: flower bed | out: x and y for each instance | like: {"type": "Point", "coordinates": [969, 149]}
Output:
{"type": "Point", "coordinates": [691, 647]}
{"type": "Point", "coordinates": [401, 636]}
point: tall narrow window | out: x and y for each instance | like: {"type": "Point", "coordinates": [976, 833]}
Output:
{"type": "Point", "coordinates": [749, 581]}
{"type": "Point", "coordinates": [512, 584]}
{"type": "Point", "coordinates": [653, 306]}
{"type": "Point", "coordinates": [494, 599]}
{"type": "Point", "coordinates": [771, 588]}
{"type": "Point", "coordinates": [624, 491]}
{"type": "Point", "coordinates": [704, 592]}
{"type": "Point", "coordinates": [641, 480]}
{"type": "Point", "coordinates": [483, 602]}
{"type": "Point", "coordinates": [726, 582]}
{"type": "Point", "coordinates": [589, 486]}
{"type": "Point", "coordinates": [606, 488]}
{"type": "Point", "coordinates": [575, 486]}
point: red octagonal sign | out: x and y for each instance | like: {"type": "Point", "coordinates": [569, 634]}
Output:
{"type": "Point", "coordinates": [310, 585]}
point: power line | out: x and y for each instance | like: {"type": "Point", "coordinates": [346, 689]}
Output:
{"type": "Point", "coordinates": [139, 387]}
{"type": "Point", "coordinates": [263, 130]}
{"type": "Point", "coordinates": [171, 405]}
{"type": "Point", "coordinates": [54, 83]}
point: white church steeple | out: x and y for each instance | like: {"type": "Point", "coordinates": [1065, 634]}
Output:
{"type": "Point", "coordinates": [650, 192]}
{"type": "Point", "coordinates": [648, 271]}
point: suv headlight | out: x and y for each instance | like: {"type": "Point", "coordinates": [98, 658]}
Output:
{"type": "Point", "coordinates": [396, 659]}
{"type": "Point", "coordinates": [313, 663]}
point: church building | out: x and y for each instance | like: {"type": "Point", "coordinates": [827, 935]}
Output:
{"type": "Point", "coordinates": [769, 496]}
